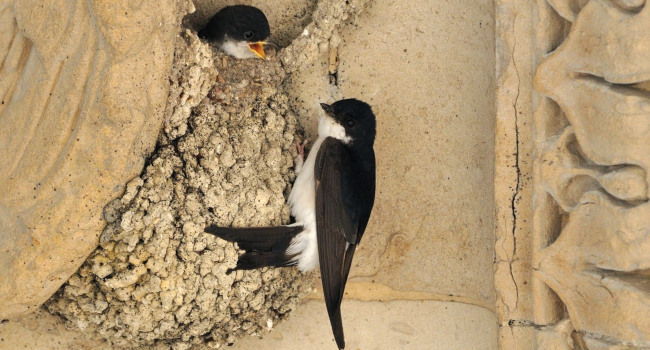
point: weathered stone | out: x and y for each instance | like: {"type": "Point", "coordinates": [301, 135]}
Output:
{"type": "Point", "coordinates": [574, 270]}
{"type": "Point", "coordinates": [83, 86]}
{"type": "Point", "coordinates": [571, 183]}
{"type": "Point", "coordinates": [598, 267]}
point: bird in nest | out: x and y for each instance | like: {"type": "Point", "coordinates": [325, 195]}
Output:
{"type": "Point", "coordinates": [240, 31]}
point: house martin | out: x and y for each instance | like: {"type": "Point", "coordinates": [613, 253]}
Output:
{"type": "Point", "coordinates": [331, 201]}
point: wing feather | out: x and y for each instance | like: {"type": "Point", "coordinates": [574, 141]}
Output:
{"type": "Point", "coordinates": [342, 212]}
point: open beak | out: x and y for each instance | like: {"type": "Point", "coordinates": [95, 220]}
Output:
{"type": "Point", "coordinates": [258, 49]}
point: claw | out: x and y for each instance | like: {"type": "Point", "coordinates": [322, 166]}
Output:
{"type": "Point", "coordinates": [300, 158]}
{"type": "Point", "coordinates": [300, 147]}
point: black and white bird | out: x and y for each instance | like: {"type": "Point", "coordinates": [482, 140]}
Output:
{"type": "Point", "coordinates": [240, 31]}
{"type": "Point", "coordinates": [331, 201]}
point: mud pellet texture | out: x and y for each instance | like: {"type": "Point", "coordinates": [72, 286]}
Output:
{"type": "Point", "coordinates": [224, 156]}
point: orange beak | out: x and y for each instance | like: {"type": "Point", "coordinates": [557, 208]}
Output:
{"type": "Point", "coordinates": [258, 49]}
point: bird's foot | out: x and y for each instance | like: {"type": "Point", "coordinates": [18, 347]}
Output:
{"type": "Point", "coordinates": [300, 158]}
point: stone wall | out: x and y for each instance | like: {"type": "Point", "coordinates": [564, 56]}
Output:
{"type": "Point", "coordinates": [567, 194]}
{"type": "Point", "coordinates": [82, 88]}
{"type": "Point", "coordinates": [572, 184]}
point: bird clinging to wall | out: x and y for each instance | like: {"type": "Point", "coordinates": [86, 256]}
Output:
{"type": "Point", "coordinates": [331, 201]}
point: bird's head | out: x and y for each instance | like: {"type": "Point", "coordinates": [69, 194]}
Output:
{"type": "Point", "coordinates": [240, 30]}
{"type": "Point", "coordinates": [350, 120]}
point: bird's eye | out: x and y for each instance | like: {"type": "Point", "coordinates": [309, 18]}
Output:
{"type": "Point", "coordinates": [248, 34]}
{"type": "Point", "coordinates": [350, 122]}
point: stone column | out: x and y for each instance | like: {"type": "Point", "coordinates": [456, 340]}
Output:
{"type": "Point", "coordinates": [573, 221]}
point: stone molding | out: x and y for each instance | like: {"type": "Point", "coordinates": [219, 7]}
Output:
{"type": "Point", "coordinates": [573, 232]}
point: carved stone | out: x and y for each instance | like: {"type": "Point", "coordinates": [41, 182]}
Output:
{"type": "Point", "coordinates": [81, 91]}
{"type": "Point", "coordinates": [577, 245]}
{"type": "Point", "coordinates": [82, 88]}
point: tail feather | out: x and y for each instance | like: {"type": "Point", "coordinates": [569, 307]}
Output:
{"type": "Point", "coordinates": [256, 238]}
{"type": "Point", "coordinates": [337, 328]}
{"type": "Point", "coordinates": [335, 315]}
{"type": "Point", "coordinates": [264, 246]}
{"type": "Point", "coordinates": [254, 260]}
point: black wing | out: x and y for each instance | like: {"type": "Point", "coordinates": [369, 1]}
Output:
{"type": "Point", "coordinates": [345, 188]}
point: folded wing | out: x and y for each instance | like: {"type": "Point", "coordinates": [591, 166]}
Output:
{"type": "Point", "coordinates": [344, 198]}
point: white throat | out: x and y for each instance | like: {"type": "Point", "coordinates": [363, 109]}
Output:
{"type": "Point", "coordinates": [236, 48]}
{"type": "Point", "coordinates": [328, 127]}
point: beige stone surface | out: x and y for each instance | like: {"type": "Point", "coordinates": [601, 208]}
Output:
{"type": "Point", "coordinates": [432, 225]}
{"type": "Point", "coordinates": [83, 85]}
{"type": "Point", "coordinates": [407, 325]}
{"type": "Point", "coordinates": [598, 264]}
{"type": "Point", "coordinates": [513, 188]}
{"type": "Point", "coordinates": [41, 330]}
{"type": "Point", "coordinates": [572, 249]}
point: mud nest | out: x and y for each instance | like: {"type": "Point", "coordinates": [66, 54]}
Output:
{"type": "Point", "coordinates": [225, 156]}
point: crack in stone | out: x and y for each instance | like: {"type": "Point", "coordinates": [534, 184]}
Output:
{"type": "Point", "coordinates": [608, 340]}
{"type": "Point", "coordinates": [525, 324]}
{"type": "Point", "coordinates": [333, 69]}
{"type": "Point", "coordinates": [372, 291]}
{"type": "Point", "coordinates": [513, 201]}
{"type": "Point", "coordinates": [611, 341]}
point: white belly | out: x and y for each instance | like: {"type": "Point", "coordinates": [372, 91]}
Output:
{"type": "Point", "coordinates": [302, 200]}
